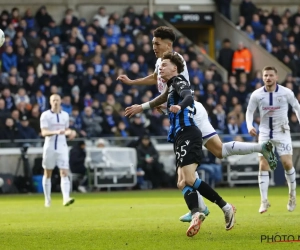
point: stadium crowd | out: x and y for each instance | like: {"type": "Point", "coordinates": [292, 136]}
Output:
{"type": "Point", "coordinates": [81, 62]}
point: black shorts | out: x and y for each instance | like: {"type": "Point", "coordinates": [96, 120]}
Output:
{"type": "Point", "coordinates": [188, 146]}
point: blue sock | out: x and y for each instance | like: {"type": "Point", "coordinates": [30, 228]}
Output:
{"type": "Point", "coordinates": [197, 183]}
{"type": "Point", "coordinates": [186, 188]}
{"type": "Point", "coordinates": [191, 199]}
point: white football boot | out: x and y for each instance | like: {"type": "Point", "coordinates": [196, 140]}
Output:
{"type": "Point", "coordinates": [291, 204]}
{"type": "Point", "coordinates": [264, 205]}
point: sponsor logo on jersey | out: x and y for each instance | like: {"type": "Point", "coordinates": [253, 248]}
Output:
{"type": "Point", "coordinates": [270, 108]}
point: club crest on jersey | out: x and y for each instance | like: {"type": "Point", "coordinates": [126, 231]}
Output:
{"type": "Point", "coordinates": [279, 98]}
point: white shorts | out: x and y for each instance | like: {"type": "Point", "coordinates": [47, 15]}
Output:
{"type": "Point", "coordinates": [53, 158]}
{"type": "Point", "coordinates": [202, 122]}
{"type": "Point", "coordinates": [207, 130]}
{"type": "Point", "coordinates": [282, 142]}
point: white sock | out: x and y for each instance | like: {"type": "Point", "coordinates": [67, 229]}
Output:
{"type": "Point", "coordinates": [201, 203]}
{"type": "Point", "coordinates": [65, 187]}
{"type": "Point", "coordinates": [226, 207]}
{"type": "Point", "coordinates": [47, 188]}
{"type": "Point", "coordinates": [239, 148]}
{"type": "Point", "coordinates": [290, 176]}
{"type": "Point", "coordinates": [263, 181]}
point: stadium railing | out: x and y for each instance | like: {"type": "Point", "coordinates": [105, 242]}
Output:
{"type": "Point", "coordinates": [235, 167]}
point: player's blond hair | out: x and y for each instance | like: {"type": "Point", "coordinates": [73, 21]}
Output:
{"type": "Point", "coordinates": [270, 68]}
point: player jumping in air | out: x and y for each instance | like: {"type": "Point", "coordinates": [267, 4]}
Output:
{"type": "Point", "coordinates": [163, 42]}
{"type": "Point", "coordinates": [273, 101]}
{"type": "Point", "coordinates": [55, 127]}
{"type": "Point", "coordinates": [187, 140]}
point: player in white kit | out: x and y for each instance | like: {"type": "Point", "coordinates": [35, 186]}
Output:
{"type": "Point", "coordinates": [54, 125]}
{"type": "Point", "coordinates": [163, 42]}
{"type": "Point", "coordinates": [272, 101]}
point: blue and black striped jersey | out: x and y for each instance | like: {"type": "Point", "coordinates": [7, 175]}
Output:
{"type": "Point", "coordinates": [184, 118]}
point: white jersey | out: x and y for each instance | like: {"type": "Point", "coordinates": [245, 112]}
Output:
{"type": "Point", "coordinates": [161, 83]}
{"type": "Point", "coordinates": [55, 121]}
{"type": "Point", "coordinates": [273, 109]}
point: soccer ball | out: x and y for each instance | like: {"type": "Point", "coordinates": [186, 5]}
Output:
{"type": "Point", "coordinates": [1, 182]}
{"type": "Point", "coordinates": [2, 38]}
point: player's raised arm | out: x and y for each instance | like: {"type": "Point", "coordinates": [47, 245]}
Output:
{"type": "Point", "coordinates": [294, 103]}
{"type": "Point", "coordinates": [148, 80]}
{"type": "Point", "coordinates": [252, 105]}
{"type": "Point", "coordinates": [138, 108]}
{"type": "Point", "coordinates": [184, 91]}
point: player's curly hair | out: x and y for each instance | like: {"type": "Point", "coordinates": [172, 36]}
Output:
{"type": "Point", "coordinates": [164, 32]}
{"type": "Point", "coordinates": [175, 59]}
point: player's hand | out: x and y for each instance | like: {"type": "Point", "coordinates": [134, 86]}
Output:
{"type": "Point", "coordinates": [252, 131]}
{"type": "Point", "coordinates": [175, 108]}
{"type": "Point", "coordinates": [124, 79]}
{"type": "Point", "coordinates": [133, 110]}
{"type": "Point", "coordinates": [60, 132]}
{"type": "Point", "coordinates": [161, 108]}
{"type": "Point", "coordinates": [71, 134]}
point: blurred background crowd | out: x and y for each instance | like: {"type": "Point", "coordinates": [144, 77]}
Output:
{"type": "Point", "coordinates": [81, 61]}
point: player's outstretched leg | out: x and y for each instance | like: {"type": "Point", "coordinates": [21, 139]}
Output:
{"type": "Point", "coordinates": [243, 148]}
{"type": "Point", "coordinates": [65, 188]}
{"type": "Point", "coordinates": [47, 186]}
{"type": "Point", "coordinates": [228, 209]}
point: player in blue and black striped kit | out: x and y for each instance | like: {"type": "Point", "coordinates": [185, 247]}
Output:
{"type": "Point", "coordinates": [187, 140]}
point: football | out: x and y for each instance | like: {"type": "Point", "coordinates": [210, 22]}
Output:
{"type": "Point", "coordinates": [2, 38]}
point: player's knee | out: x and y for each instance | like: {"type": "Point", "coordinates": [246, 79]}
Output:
{"type": "Point", "coordinates": [47, 173]}
{"type": "Point", "coordinates": [64, 173]}
{"type": "Point", "coordinates": [218, 154]}
{"type": "Point", "coordinates": [287, 164]}
{"type": "Point", "coordinates": [263, 165]}
{"type": "Point", "coordinates": [189, 181]}
{"type": "Point", "coordinates": [181, 184]}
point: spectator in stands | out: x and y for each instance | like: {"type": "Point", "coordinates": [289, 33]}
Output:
{"type": "Point", "coordinates": [34, 119]}
{"type": "Point", "coordinates": [137, 126]}
{"type": "Point", "coordinates": [220, 114]}
{"type": "Point", "coordinates": [4, 113]}
{"type": "Point", "coordinates": [210, 167]}
{"type": "Point", "coordinates": [102, 17]}
{"type": "Point", "coordinates": [9, 59]}
{"type": "Point", "coordinates": [241, 24]}
{"type": "Point", "coordinates": [148, 161]}
{"type": "Point", "coordinates": [77, 165]}
{"type": "Point", "coordinates": [224, 7]}
{"type": "Point", "coordinates": [21, 97]}
{"type": "Point", "coordinates": [242, 60]}
{"type": "Point", "coordinates": [110, 101]}
{"type": "Point", "coordinates": [110, 122]}
{"type": "Point", "coordinates": [226, 55]}
{"type": "Point", "coordinates": [42, 17]}
{"type": "Point", "coordinates": [247, 9]}
{"type": "Point", "coordinates": [250, 33]}
{"type": "Point", "coordinates": [8, 98]}
{"type": "Point", "coordinates": [66, 104]}
{"type": "Point", "coordinates": [25, 130]}
{"type": "Point", "coordinates": [91, 123]}
{"type": "Point", "coordinates": [40, 99]}
{"type": "Point", "coordinates": [9, 132]}
{"type": "Point", "coordinates": [232, 129]}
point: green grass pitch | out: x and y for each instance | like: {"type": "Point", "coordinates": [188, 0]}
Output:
{"type": "Point", "coordinates": [142, 220]}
